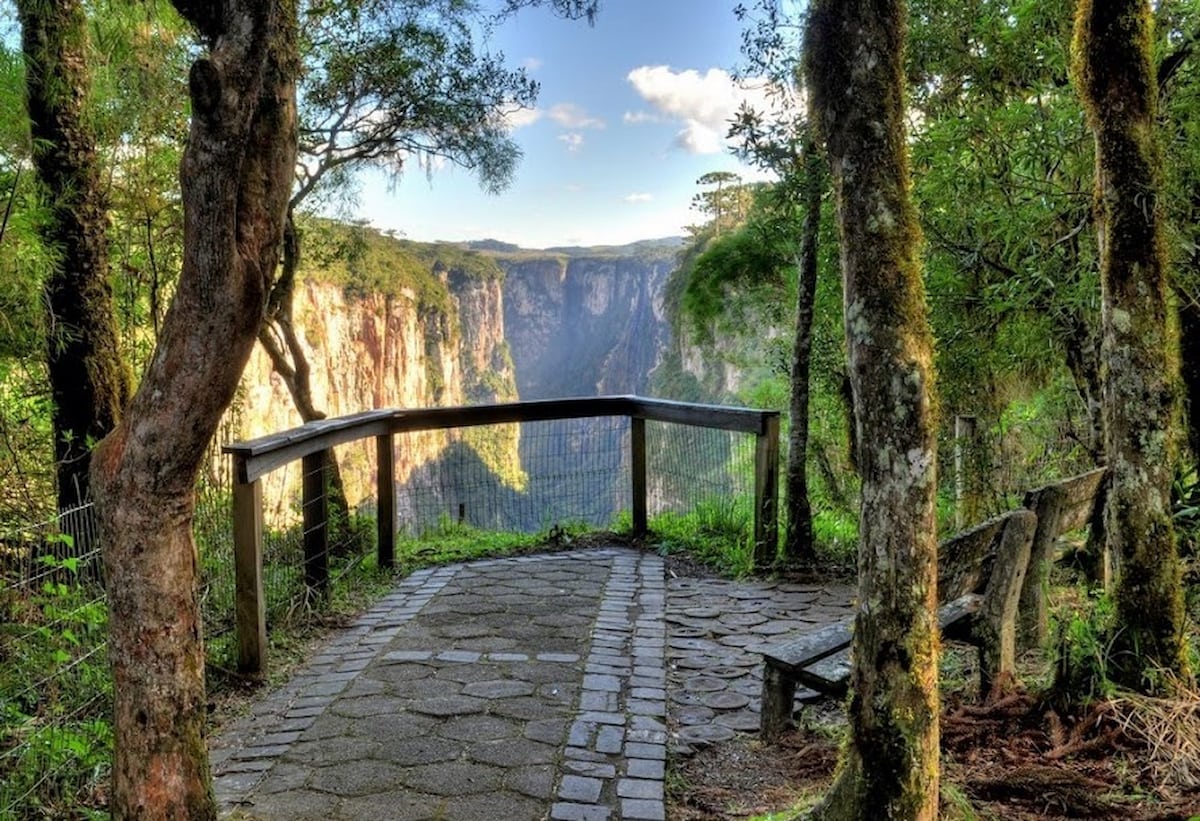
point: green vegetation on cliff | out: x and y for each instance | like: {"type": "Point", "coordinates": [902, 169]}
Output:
{"type": "Point", "coordinates": [365, 261]}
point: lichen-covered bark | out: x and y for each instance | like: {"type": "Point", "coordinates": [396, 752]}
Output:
{"type": "Point", "coordinates": [236, 175]}
{"type": "Point", "coordinates": [798, 541]}
{"type": "Point", "coordinates": [88, 382]}
{"type": "Point", "coordinates": [1114, 73]}
{"type": "Point", "coordinates": [889, 768]}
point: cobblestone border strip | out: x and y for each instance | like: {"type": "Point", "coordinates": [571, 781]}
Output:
{"type": "Point", "coordinates": [617, 747]}
{"type": "Point", "coordinates": [286, 713]}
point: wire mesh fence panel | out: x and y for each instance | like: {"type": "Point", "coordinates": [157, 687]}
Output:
{"type": "Point", "coordinates": [688, 468]}
{"type": "Point", "coordinates": [572, 471]}
{"type": "Point", "coordinates": [55, 689]}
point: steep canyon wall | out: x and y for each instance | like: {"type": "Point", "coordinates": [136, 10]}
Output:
{"type": "Point", "coordinates": [543, 325]}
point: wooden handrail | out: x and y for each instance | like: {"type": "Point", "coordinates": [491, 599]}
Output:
{"type": "Point", "coordinates": [310, 442]}
{"type": "Point", "coordinates": [257, 457]}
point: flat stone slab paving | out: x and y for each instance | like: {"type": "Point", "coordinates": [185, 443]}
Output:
{"type": "Point", "coordinates": [543, 686]}
{"type": "Point", "coordinates": [714, 676]}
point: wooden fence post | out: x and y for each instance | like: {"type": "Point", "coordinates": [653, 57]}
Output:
{"type": "Point", "coordinates": [637, 453]}
{"type": "Point", "coordinates": [996, 624]}
{"type": "Point", "coordinates": [385, 501]}
{"type": "Point", "coordinates": [249, 606]}
{"type": "Point", "coordinates": [316, 522]}
{"type": "Point", "coordinates": [966, 458]}
{"type": "Point", "coordinates": [766, 492]}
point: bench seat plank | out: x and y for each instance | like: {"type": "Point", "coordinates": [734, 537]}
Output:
{"type": "Point", "coordinates": [800, 652]}
{"type": "Point", "coordinates": [821, 660]}
{"type": "Point", "coordinates": [830, 675]}
{"type": "Point", "coordinates": [806, 650]}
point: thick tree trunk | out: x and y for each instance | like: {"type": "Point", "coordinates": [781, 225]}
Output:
{"type": "Point", "coordinates": [236, 175]}
{"type": "Point", "coordinates": [88, 381]}
{"type": "Point", "coordinates": [798, 541]}
{"type": "Point", "coordinates": [890, 765]}
{"type": "Point", "coordinates": [1116, 81]}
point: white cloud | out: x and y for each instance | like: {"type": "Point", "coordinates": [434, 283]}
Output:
{"type": "Point", "coordinates": [704, 103]}
{"type": "Point", "coordinates": [639, 197]}
{"type": "Point", "coordinates": [521, 117]}
{"type": "Point", "coordinates": [569, 115]}
{"type": "Point", "coordinates": [639, 117]}
{"type": "Point", "coordinates": [697, 138]}
{"type": "Point", "coordinates": [572, 140]}
{"type": "Point", "coordinates": [531, 63]}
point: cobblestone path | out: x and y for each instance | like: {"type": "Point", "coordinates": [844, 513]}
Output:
{"type": "Point", "coordinates": [545, 686]}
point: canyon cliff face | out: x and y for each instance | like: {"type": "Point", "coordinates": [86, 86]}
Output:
{"type": "Point", "coordinates": [500, 326]}
{"type": "Point", "coordinates": [387, 350]}
{"type": "Point", "coordinates": [587, 324]}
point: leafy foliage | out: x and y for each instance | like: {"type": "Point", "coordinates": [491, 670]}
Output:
{"type": "Point", "coordinates": [1015, 273]}
{"type": "Point", "coordinates": [389, 82]}
{"type": "Point", "coordinates": [366, 262]}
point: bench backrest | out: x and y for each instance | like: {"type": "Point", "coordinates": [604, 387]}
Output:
{"type": "Point", "coordinates": [965, 559]}
{"type": "Point", "coordinates": [1081, 496]}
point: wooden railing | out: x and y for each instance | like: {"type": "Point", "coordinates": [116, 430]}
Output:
{"type": "Point", "coordinates": [310, 444]}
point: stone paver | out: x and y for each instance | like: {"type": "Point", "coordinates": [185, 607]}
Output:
{"type": "Point", "coordinates": [544, 686]}
{"type": "Point", "coordinates": [714, 675]}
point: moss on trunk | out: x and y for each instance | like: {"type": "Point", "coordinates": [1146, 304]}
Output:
{"type": "Point", "coordinates": [88, 380]}
{"type": "Point", "coordinates": [890, 765]}
{"type": "Point", "coordinates": [1115, 76]}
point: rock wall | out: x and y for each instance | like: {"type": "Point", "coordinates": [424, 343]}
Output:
{"type": "Point", "coordinates": [381, 351]}
{"type": "Point", "coordinates": [585, 325]}
{"type": "Point", "coordinates": [555, 324]}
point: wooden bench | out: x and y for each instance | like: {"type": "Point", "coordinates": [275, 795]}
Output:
{"type": "Point", "coordinates": [981, 574]}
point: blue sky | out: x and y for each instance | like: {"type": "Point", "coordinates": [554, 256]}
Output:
{"type": "Point", "coordinates": [632, 111]}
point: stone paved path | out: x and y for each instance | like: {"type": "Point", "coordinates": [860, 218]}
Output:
{"type": "Point", "coordinates": [715, 677]}
{"type": "Point", "coordinates": [546, 686]}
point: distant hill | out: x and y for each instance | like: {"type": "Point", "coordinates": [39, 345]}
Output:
{"type": "Point", "coordinates": [641, 247]}
{"type": "Point", "coordinates": [490, 245]}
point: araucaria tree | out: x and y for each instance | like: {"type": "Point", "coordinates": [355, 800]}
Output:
{"type": "Point", "coordinates": [1116, 79]}
{"type": "Point", "coordinates": [854, 54]}
{"type": "Point", "coordinates": [236, 179]}
{"type": "Point", "coordinates": [88, 380]}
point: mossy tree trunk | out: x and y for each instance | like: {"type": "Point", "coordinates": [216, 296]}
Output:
{"type": "Point", "coordinates": [798, 540]}
{"type": "Point", "coordinates": [1115, 77]}
{"type": "Point", "coordinates": [235, 178]}
{"type": "Point", "coordinates": [88, 381]}
{"type": "Point", "coordinates": [889, 768]}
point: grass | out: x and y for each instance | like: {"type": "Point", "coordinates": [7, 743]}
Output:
{"type": "Point", "coordinates": [717, 532]}
{"type": "Point", "coordinates": [836, 533]}
{"type": "Point", "coordinates": [55, 695]}
{"type": "Point", "coordinates": [450, 541]}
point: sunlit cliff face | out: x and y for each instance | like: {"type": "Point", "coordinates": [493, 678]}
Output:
{"type": "Point", "coordinates": [553, 326]}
